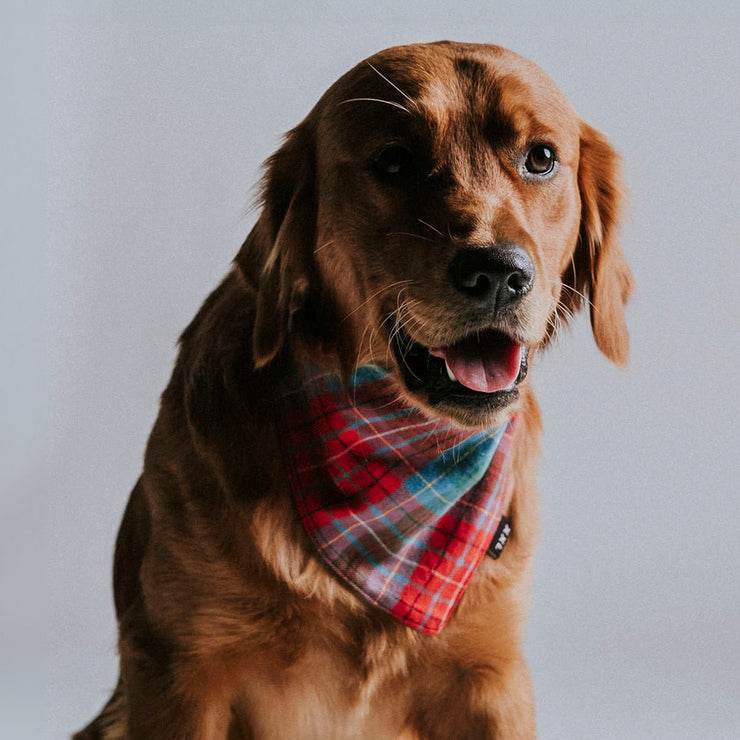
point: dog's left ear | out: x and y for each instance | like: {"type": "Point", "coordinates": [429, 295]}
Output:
{"type": "Point", "coordinates": [601, 271]}
{"type": "Point", "coordinates": [276, 258]}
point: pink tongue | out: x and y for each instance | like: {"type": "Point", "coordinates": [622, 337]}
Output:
{"type": "Point", "coordinates": [486, 368]}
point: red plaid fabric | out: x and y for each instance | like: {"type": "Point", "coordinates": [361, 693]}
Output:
{"type": "Point", "coordinates": [401, 507]}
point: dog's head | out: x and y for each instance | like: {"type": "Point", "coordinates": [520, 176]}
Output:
{"type": "Point", "coordinates": [440, 211]}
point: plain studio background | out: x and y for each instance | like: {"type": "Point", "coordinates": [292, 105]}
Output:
{"type": "Point", "coordinates": [131, 144]}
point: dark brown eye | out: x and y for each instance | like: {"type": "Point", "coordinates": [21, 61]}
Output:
{"type": "Point", "coordinates": [540, 160]}
{"type": "Point", "coordinates": [394, 163]}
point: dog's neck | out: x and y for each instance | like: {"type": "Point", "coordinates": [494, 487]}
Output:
{"type": "Point", "coordinates": [401, 507]}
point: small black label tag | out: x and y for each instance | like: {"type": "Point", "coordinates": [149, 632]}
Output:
{"type": "Point", "coordinates": [503, 532]}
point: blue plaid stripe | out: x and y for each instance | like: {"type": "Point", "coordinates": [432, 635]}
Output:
{"type": "Point", "coordinates": [439, 482]}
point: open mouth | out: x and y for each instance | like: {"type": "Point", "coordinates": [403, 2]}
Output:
{"type": "Point", "coordinates": [478, 373]}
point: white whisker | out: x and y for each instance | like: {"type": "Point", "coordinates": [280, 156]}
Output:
{"type": "Point", "coordinates": [323, 246]}
{"type": "Point", "coordinates": [431, 227]}
{"type": "Point", "coordinates": [375, 100]}
{"type": "Point", "coordinates": [376, 293]}
{"type": "Point", "coordinates": [393, 85]}
{"type": "Point", "coordinates": [406, 233]}
{"type": "Point", "coordinates": [578, 293]}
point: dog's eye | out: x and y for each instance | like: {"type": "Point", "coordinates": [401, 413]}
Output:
{"type": "Point", "coordinates": [393, 163]}
{"type": "Point", "coordinates": [540, 160]}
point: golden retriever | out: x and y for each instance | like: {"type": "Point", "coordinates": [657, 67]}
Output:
{"type": "Point", "coordinates": [440, 213]}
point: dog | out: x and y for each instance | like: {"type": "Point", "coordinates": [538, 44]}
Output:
{"type": "Point", "coordinates": [424, 232]}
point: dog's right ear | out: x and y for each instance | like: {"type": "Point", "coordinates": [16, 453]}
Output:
{"type": "Point", "coordinates": [277, 257]}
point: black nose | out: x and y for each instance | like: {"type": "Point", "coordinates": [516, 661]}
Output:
{"type": "Point", "coordinates": [498, 276]}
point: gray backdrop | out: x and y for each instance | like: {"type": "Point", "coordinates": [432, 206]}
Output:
{"type": "Point", "coordinates": [132, 139]}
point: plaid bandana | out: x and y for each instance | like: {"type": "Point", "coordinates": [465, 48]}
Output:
{"type": "Point", "coordinates": [401, 507]}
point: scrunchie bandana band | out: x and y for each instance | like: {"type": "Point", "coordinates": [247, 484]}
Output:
{"type": "Point", "coordinates": [401, 507]}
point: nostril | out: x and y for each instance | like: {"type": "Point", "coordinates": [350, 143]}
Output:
{"type": "Point", "coordinates": [475, 282]}
{"type": "Point", "coordinates": [519, 281]}
{"type": "Point", "coordinates": [482, 284]}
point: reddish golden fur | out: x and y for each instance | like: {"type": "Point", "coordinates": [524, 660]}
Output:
{"type": "Point", "coordinates": [229, 625]}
